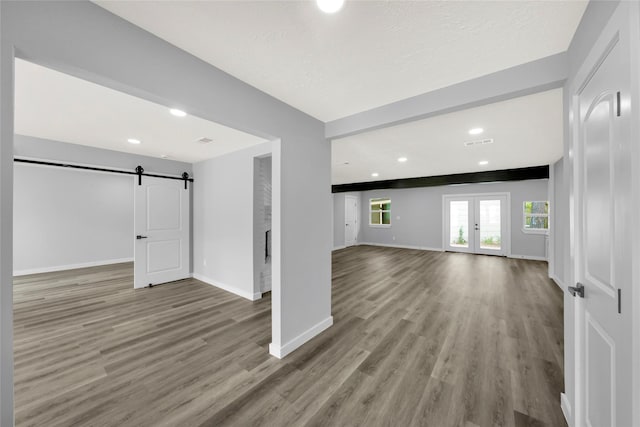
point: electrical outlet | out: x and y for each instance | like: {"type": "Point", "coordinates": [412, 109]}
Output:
{"type": "Point", "coordinates": [394, 237]}
{"type": "Point", "coordinates": [204, 262]}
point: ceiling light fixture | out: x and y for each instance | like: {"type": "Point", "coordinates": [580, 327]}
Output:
{"type": "Point", "coordinates": [483, 162]}
{"type": "Point", "coordinates": [330, 6]}
{"type": "Point", "coordinates": [164, 156]}
{"type": "Point", "coordinates": [177, 113]}
{"type": "Point", "coordinates": [133, 141]}
{"type": "Point", "coordinates": [375, 174]}
{"type": "Point", "coordinates": [476, 131]}
{"type": "Point", "coordinates": [402, 159]}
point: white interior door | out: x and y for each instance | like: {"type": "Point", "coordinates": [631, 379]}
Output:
{"type": "Point", "coordinates": [350, 220]}
{"type": "Point", "coordinates": [476, 224]}
{"type": "Point", "coordinates": [162, 231]}
{"type": "Point", "coordinates": [602, 180]}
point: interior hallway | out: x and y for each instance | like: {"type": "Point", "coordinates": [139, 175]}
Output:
{"type": "Point", "coordinates": [420, 338]}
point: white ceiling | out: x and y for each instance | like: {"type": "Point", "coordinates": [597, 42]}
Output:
{"type": "Point", "coordinates": [53, 105]}
{"type": "Point", "coordinates": [527, 131]}
{"type": "Point", "coordinates": [369, 54]}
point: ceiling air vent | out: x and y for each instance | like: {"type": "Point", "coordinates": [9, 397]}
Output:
{"type": "Point", "coordinates": [204, 140]}
{"type": "Point", "coordinates": [478, 142]}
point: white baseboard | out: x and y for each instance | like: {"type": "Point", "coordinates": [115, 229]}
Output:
{"type": "Point", "coordinates": [529, 257]}
{"type": "Point", "coordinates": [244, 294]}
{"type": "Point", "coordinates": [336, 248]}
{"type": "Point", "coordinates": [287, 348]}
{"type": "Point", "coordinates": [566, 408]}
{"type": "Point", "coordinates": [421, 248]}
{"type": "Point", "coordinates": [70, 266]}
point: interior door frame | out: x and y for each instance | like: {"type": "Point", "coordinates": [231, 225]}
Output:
{"type": "Point", "coordinates": [630, 11]}
{"type": "Point", "coordinates": [357, 219]}
{"type": "Point", "coordinates": [506, 248]}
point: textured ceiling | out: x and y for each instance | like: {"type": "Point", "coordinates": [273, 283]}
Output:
{"type": "Point", "coordinates": [527, 131]}
{"type": "Point", "coordinates": [369, 54]}
{"type": "Point", "coordinates": [56, 106]}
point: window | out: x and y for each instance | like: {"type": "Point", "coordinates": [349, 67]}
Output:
{"type": "Point", "coordinates": [536, 217]}
{"type": "Point", "coordinates": [380, 212]}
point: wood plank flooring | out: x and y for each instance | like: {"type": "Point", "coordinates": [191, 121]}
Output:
{"type": "Point", "coordinates": [419, 339]}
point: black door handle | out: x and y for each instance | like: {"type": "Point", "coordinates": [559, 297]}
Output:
{"type": "Point", "coordinates": [140, 237]}
{"type": "Point", "coordinates": [578, 289]}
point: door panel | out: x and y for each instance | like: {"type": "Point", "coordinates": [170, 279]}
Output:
{"type": "Point", "coordinates": [459, 225]}
{"type": "Point", "coordinates": [489, 225]}
{"type": "Point", "coordinates": [162, 222]}
{"type": "Point", "coordinates": [602, 225]}
{"type": "Point", "coordinates": [600, 384]}
{"type": "Point", "coordinates": [350, 220]}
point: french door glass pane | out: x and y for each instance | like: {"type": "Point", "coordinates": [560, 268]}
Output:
{"type": "Point", "coordinates": [459, 223]}
{"type": "Point", "coordinates": [490, 231]}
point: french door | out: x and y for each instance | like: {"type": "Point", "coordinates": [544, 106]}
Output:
{"type": "Point", "coordinates": [476, 224]}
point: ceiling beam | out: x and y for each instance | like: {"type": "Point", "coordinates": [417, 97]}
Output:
{"type": "Point", "coordinates": [519, 174]}
{"type": "Point", "coordinates": [536, 76]}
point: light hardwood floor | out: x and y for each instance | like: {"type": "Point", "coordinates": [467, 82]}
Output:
{"type": "Point", "coordinates": [419, 339]}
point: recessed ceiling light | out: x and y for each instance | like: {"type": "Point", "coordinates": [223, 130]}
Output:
{"type": "Point", "coordinates": [375, 174]}
{"type": "Point", "coordinates": [164, 156]}
{"type": "Point", "coordinates": [330, 6]}
{"type": "Point", "coordinates": [177, 113]}
{"type": "Point", "coordinates": [476, 131]}
{"type": "Point", "coordinates": [346, 163]}
{"type": "Point", "coordinates": [483, 162]}
{"type": "Point", "coordinates": [402, 159]}
{"type": "Point", "coordinates": [133, 141]}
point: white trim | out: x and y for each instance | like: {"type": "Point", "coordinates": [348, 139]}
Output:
{"type": "Point", "coordinates": [557, 281]}
{"type": "Point", "coordinates": [336, 248]}
{"type": "Point", "coordinates": [551, 194]}
{"type": "Point", "coordinates": [566, 408]}
{"type": "Point", "coordinates": [234, 290]}
{"type": "Point", "coordinates": [421, 248]}
{"type": "Point", "coordinates": [295, 343]}
{"type": "Point", "coordinates": [529, 257]}
{"type": "Point", "coordinates": [70, 266]}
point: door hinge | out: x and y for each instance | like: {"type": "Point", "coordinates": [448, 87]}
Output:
{"type": "Point", "coordinates": [619, 301]}
{"type": "Point", "coordinates": [618, 104]}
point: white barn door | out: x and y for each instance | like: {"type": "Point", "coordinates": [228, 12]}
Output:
{"type": "Point", "coordinates": [602, 186]}
{"type": "Point", "coordinates": [162, 231]}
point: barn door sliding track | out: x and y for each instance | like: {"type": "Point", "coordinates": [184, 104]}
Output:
{"type": "Point", "coordinates": [138, 171]}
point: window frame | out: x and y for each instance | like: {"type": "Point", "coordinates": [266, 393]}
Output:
{"type": "Point", "coordinates": [382, 211]}
{"type": "Point", "coordinates": [536, 215]}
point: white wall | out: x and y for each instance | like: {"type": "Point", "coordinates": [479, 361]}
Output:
{"type": "Point", "coordinates": [223, 216]}
{"type": "Point", "coordinates": [68, 218]}
{"type": "Point", "coordinates": [560, 220]}
{"type": "Point", "coordinates": [420, 211]}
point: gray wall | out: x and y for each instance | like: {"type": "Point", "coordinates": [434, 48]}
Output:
{"type": "Point", "coordinates": [338, 218]}
{"type": "Point", "coordinates": [76, 217]}
{"type": "Point", "coordinates": [420, 215]}
{"type": "Point", "coordinates": [64, 218]}
{"type": "Point", "coordinates": [224, 221]}
{"type": "Point", "coordinates": [46, 149]}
